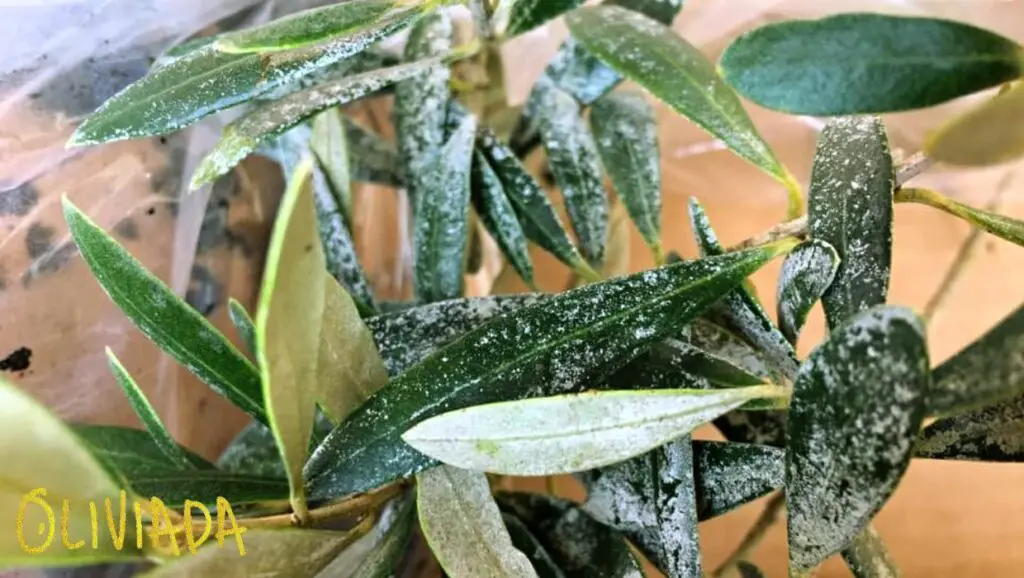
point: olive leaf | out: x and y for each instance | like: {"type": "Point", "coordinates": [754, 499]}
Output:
{"type": "Point", "coordinates": [373, 159]}
{"type": "Point", "coordinates": [1001, 226]}
{"type": "Point", "coordinates": [377, 554]}
{"type": "Point", "coordinates": [499, 218]}
{"type": "Point", "coordinates": [170, 322]}
{"type": "Point", "coordinates": [986, 135]}
{"type": "Point", "coordinates": [850, 207]}
{"type": "Point", "coordinates": [806, 274]}
{"type": "Point", "coordinates": [574, 432]}
{"type": "Point", "coordinates": [243, 325]}
{"type": "Point", "coordinates": [627, 137]}
{"type": "Point", "coordinates": [127, 450]}
{"type": "Point", "coordinates": [705, 335]}
{"type": "Point", "coordinates": [867, 63]}
{"type": "Point", "coordinates": [406, 338]}
{"type": "Point", "coordinates": [269, 553]}
{"type": "Point", "coordinates": [253, 451]}
{"type": "Point", "coordinates": [858, 403]}
{"type": "Point", "coordinates": [576, 165]}
{"type": "Point", "coordinates": [674, 364]}
{"type": "Point", "coordinates": [988, 370]}
{"type": "Point", "coordinates": [147, 414]}
{"type": "Point", "coordinates": [526, 15]}
{"type": "Point", "coordinates": [464, 528]}
{"type": "Point", "coordinates": [524, 541]}
{"type": "Point", "coordinates": [729, 475]}
{"type": "Point", "coordinates": [329, 143]}
{"type": "Point", "coordinates": [580, 545]}
{"type": "Point", "coordinates": [442, 219]}
{"type": "Point", "coordinates": [41, 452]}
{"type": "Point", "coordinates": [868, 557]}
{"type": "Point", "coordinates": [241, 137]}
{"type": "Point", "coordinates": [669, 68]}
{"type": "Point", "coordinates": [538, 218]}
{"type": "Point", "coordinates": [355, 24]}
{"type": "Point", "coordinates": [989, 434]}
{"type": "Point", "coordinates": [651, 499]}
{"type": "Point", "coordinates": [554, 346]}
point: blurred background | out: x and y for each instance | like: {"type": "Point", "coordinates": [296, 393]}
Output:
{"type": "Point", "coordinates": [63, 58]}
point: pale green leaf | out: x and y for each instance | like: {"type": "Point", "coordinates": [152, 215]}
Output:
{"type": "Point", "coordinates": [329, 143]}
{"type": "Point", "coordinates": [806, 274]}
{"type": "Point", "coordinates": [571, 433]}
{"type": "Point", "coordinates": [464, 528]}
{"type": "Point", "coordinates": [858, 404]}
{"type": "Point", "coordinates": [170, 322]}
{"type": "Point", "coordinates": [986, 135]}
{"type": "Point", "coordinates": [1001, 226]}
{"type": "Point", "coordinates": [243, 325]}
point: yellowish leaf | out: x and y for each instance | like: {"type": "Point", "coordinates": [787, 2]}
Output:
{"type": "Point", "coordinates": [989, 134]}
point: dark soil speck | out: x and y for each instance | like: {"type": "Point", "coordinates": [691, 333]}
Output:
{"type": "Point", "coordinates": [18, 360]}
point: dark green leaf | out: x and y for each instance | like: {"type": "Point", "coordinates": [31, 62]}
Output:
{"type": "Point", "coordinates": [987, 371]}
{"type": "Point", "coordinates": [554, 346]}
{"type": "Point", "coordinates": [748, 570]}
{"type": "Point", "coordinates": [165, 318]}
{"type": "Point", "coordinates": [405, 338]}
{"type": "Point", "coordinates": [650, 54]}
{"type": "Point", "coordinates": [868, 557]}
{"type": "Point", "coordinates": [806, 274]}
{"type": "Point", "coordinates": [986, 135]}
{"type": "Point", "coordinates": [421, 103]}
{"type": "Point", "coordinates": [147, 414]}
{"type": "Point", "coordinates": [374, 160]}
{"type": "Point", "coordinates": [529, 14]}
{"type": "Point", "coordinates": [499, 217]}
{"type": "Point", "coordinates": [582, 547]}
{"type": "Point", "coordinates": [524, 540]}
{"type": "Point", "coordinates": [129, 451]}
{"type": "Point", "coordinates": [990, 434]}
{"type": "Point", "coordinates": [651, 500]}
{"type": "Point", "coordinates": [707, 336]}
{"type": "Point", "coordinates": [241, 137]}
{"type": "Point", "coordinates": [536, 215]}
{"type": "Point", "coordinates": [254, 451]}
{"type": "Point", "coordinates": [573, 158]}
{"type": "Point", "coordinates": [850, 207]}
{"type": "Point", "coordinates": [355, 24]}
{"type": "Point", "coordinates": [627, 137]}
{"type": "Point", "coordinates": [729, 475]}
{"type": "Point", "coordinates": [858, 404]}
{"type": "Point", "coordinates": [442, 220]}
{"type": "Point", "coordinates": [1001, 226]}
{"type": "Point", "coordinates": [867, 63]}
{"type": "Point", "coordinates": [243, 325]}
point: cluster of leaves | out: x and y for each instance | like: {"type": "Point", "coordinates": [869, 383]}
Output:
{"type": "Point", "coordinates": [353, 402]}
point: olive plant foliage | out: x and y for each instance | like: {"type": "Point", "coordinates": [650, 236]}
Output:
{"type": "Point", "coordinates": [396, 416]}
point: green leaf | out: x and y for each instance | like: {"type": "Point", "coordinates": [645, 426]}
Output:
{"type": "Point", "coordinates": [253, 451]}
{"type": "Point", "coordinates": [421, 103]}
{"type": "Point", "coordinates": [574, 160]}
{"type": "Point", "coordinates": [580, 545]}
{"type": "Point", "coordinates": [311, 344]}
{"type": "Point", "coordinates": [269, 553]}
{"type": "Point", "coordinates": [986, 135]}
{"type": "Point", "coordinates": [729, 475]}
{"type": "Point", "coordinates": [529, 14]}
{"type": "Point", "coordinates": [499, 217]}
{"type": "Point", "coordinates": [406, 338]}
{"type": "Point", "coordinates": [41, 452]}
{"type": "Point", "coordinates": [373, 159]}
{"type": "Point", "coordinates": [366, 61]}
{"type": "Point", "coordinates": [868, 557]}
{"type": "Point", "coordinates": [989, 434]}
{"type": "Point", "coordinates": [806, 274]}
{"type": "Point", "coordinates": [243, 325]}
{"type": "Point", "coordinates": [555, 346]}
{"type": "Point", "coordinates": [126, 451]}
{"type": "Point", "coordinates": [867, 63]}
{"type": "Point", "coordinates": [571, 433]}
{"type": "Point", "coordinates": [748, 570]}
{"type": "Point", "coordinates": [329, 143]}
{"type": "Point", "coordinates": [442, 220]}
{"type": "Point", "coordinates": [670, 69]}
{"type": "Point", "coordinates": [536, 215]}
{"type": "Point", "coordinates": [627, 137]}
{"type": "Point", "coordinates": [355, 23]}
{"type": "Point", "coordinates": [147, 414]}
{"type": "Point", "coordinates": [739, 311]}
{"type": "Point", "coordinates": [377, 554]}
{"type": "Point", "coordinates": [857, 407]}
{"type": "Point", "coordinates": [651, 500]}
{"type": "Point", "coordinates": [1001, 226]}
{"type": "Point", "coordinates": [987, 371]}
{"type": "Point", "coordinates": [170, 322]}
{"type": "Point", "coordinates": [707, 336]}
{"type": "Point", "coordinates": [850, 207]}
{"type": "Point", "coordinates": [674, 364]}
{"type": "Point", "coordinates": [524, 541]}
{"type": "Point", "coordinates": [241, 137]}
{"type": "Point", "coordinates": [463, 526]}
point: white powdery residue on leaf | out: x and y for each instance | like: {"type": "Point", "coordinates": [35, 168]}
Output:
{"type": "Point", "coordinates": [806, 274]}
{"type": "Point", "coordinates": [729, 475]}
{"type": "Point", "coordinates": [706, 237]}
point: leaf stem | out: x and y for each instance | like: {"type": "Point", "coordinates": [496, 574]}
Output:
{"type": "Point", "coordinates": [772, 510]}
{"type": "Point", "coordinates": [795, 197]}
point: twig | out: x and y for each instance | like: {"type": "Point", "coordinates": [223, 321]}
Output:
{"type": "Point", "coordinates": [772, 510]}
{"type": "Point", "coordinates": [914, 166]}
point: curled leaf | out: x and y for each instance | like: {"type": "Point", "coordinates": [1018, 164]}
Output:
{"type": "Point", "coordinates": [806, 274]}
